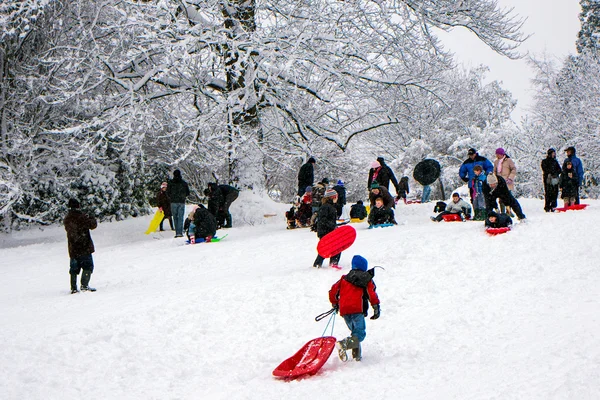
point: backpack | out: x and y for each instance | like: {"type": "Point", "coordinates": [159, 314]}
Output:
{"type": "Point", "coordinates": [440, 206]}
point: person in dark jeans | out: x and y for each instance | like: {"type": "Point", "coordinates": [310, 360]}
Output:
{"type": "Point", "coordinates": [551, 174]}
{"type": "Point", "coordinates": [230, 194]}
{"type": "Point", "coordinates": [178, 190]}
{"type": "Point", "coordinates": [78, 225]}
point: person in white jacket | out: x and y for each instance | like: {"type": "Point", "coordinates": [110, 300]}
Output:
{"type": "Point", "coordinates": [456, 206]}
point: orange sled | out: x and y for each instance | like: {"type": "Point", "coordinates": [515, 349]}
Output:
{"type": "Point", "coordinates": [308, 360]}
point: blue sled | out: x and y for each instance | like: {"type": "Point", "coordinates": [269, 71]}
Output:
{"type": "Point", "coordinates": [381, 225]}
{"type": "Point", "coordinates": [202, 240]}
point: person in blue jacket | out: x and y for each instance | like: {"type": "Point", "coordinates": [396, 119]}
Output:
{"type": "Point", "coordinates": [577, 166]}
{"type": "Point", "coordinates": [466, 171]}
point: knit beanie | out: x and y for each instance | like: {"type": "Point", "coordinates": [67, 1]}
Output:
{"type": "Point", "coordinates": [375, 185]}
{"type": "Point", "coordinates": [375, 164]}
{"type": "Point", "coordinates": [308, 189]}
{"type": "Point", "coordinates": [500, 151]}
{"type": "Point", "coordinates": [340, 182]}
{"type": "Point", "coordinates": [74, 203]}
{"type": "Point", "coordinates": [330, 193]}
{"type": "Point", "coordinates": [492, 180]}
{"type": "Point", "coordinates": [359, 263]}
{"type": "Point", "coordinates": [163, 185]}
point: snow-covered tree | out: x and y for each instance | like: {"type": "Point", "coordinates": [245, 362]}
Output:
{"type": "Point", "coordinates": [588, 37]}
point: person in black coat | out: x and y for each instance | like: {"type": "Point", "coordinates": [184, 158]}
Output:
{"type": "Point", "coordinates": [551, 173]}
{"type": "Point", "coordinates": [358, 210]}
{"type": "Point", "coordinates": [201, 224]}
{"type": "Point", "coordinates": [382, 175]}
{"type": "Point", "coordinates": [341, 201]}
{"type": "Point", "coordinates": [178, 190]}
{"type": "Point", "coordinates": [380, 214]}
{"type": "Point", "coordinates": [495, 220]}
{"type": "Point", "coordinates": [326, 223]}
{"type": "Point", "coordinates": [78, 226]}
{"type": "Point", "coordinates": [494, 188]}
{"type": "Point", "coordinates": [569, 184]}
{"type": "Point", "coordinates": [215, 201]}
{"type": "Point", "coordinates": [402, 189]}
{"type": "Point", "coordinates": [306, 176]}
{"type": "Point", "coordinates": [230, 194]}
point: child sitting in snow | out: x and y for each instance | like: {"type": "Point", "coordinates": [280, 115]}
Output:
{"type": "Point", "coordinates": [495, 220]}
{"type": "Point", "coordinates": [200, 223]}
{"type": "Point", "coordinates": [456, 206]}
{"type": "Point", "coordinates": [380, 214]}
{"type": "Point", "coordinates": [290, 217]}
{"type": "Point", "coordinates": [349, 296]}
{"type": "Point", "coordinates": [358, 210]}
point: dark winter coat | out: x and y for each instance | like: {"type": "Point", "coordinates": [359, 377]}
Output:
{"type": "Point", "coordinates": [466, 172]}
{"type": "Point", "coordinates": [205, 222]}
{"type": "Point", "coordinates": [348, 292]}
{"type": "Point", "coordinates": [215, 198]}
{"type": "Point", "coordinates": [306, 176]}
{"type": "Point", "coordinates": [569, 184]}
{"type": "Point", "coordinates": [384, 176]}
{"type": "Point", "coordinates": [402, 188]}
{"type": "Point", "coordinates": [358, 211]}
{"type": "Point", "coordinates": [163, 201]}
{"type": "Point", "coordinates": [341, 191]}
{"type": "Point", "coordinates": [550, 169]}
{"type": "Point", "coordinates": [388, 199]}
{"type": "Point", "coordinates": [381, 215]}
{"type": "Point", "coordinates": [577, 166]}
{"type": "Point", "coordinates": [78, 225]}
{"type": "Point", "coordinates": [326, 219]}
{"type": "Point", "coordinates": [178, 190]}
{"type": "Point", "coordinates": [502, 221]}
{"type": "Point", "coordinates": [500, 192]}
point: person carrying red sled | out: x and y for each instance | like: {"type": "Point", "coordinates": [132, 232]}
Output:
{"type": "Point", "coordinates": [326, 223]}
{"type": "Point", "coordinates": [350, 296]}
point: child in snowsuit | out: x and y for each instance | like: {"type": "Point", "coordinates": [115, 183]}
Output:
{"type": "Point", "coordinates": [358, 210]}
{"type": "Point", "coordinates": [495, 220]}
{"type": "Point", "coordinates": [304, 212]}
{"type": "Point", "coordinates": [349, 296]}
{"type": "Point", "coordinates": [325, 223]}
{"type": "Point", "coordinates": [380, 214]}
{"type": "Point", "coordinates": [476, 187]}
{"type": "Point", "coordinates": [569, 184]}
{"type": "Point", "coordinates": [403, 189]}
{"type": "Point", "coordinates": [456, 206]}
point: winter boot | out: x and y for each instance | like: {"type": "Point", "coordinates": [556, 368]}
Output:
{"type": "Point", "coordinates": [74, 283]}
{"type": "Point", "coordinates": [227, 221]}
{"type": "Point", "coordinates": [357, 353]}
{"type": "Point", "coordinates": [85, 280]}
{"type": "Point", "coordinates": [350, 343]}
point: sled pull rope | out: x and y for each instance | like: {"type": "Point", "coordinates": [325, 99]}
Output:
{"type": "Point", "coordinates": [332, 322]}
{"type": "Point", "coordinates": [326, 313]}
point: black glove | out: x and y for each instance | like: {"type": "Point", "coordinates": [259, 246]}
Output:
{"type": "Point", "coordinates": [336, 307]}
{"type": "Point", "coordinates": [376, 311]}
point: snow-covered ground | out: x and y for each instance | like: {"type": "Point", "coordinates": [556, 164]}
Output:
{"type": "Point", "coordinates": [463, 315]}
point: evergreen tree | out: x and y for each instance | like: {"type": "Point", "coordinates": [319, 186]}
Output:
{"type": "Point", "coordinates": [589, 35]}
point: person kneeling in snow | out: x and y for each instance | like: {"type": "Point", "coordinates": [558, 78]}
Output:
{"type": "Point", "coordinates": [200, 223]}
{"type": "Point", "coordinates": [456, 206]}
{"type": "Point", "coordinates": [495, 220]}
{"type": "Point", "coordinates": [380, 214]}
{"type": "Point", "coordinates": [358, 210]}
{"type": "Point", "coordinates": [349, 297]}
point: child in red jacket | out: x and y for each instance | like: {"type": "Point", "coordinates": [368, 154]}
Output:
{"type": "Point", "coordinates": [349, 296]}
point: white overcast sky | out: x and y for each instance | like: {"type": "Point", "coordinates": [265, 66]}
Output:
{"type": "Point", "coordinates": [553, 25]}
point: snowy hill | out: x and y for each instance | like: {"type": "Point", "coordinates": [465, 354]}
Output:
{"type": "Point", "coordinates": [464, 315]}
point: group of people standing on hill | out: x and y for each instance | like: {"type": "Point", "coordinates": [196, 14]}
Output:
{"type": "Point", "coordinates": [201, 221]}
{"type": "Point", "coordinates": [568, 179]}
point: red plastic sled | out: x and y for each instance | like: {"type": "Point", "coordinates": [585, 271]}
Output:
{"type": "Point", "coordinates": [336, 241]}
{"type": "Point", "coordinates": [308, 360]}
{"type": "Point", "coordinates": [452, 217]}
{"type": "Point", "coordinates": [573, 207]}
{"type": "Point", "coordinates": [496, 231]}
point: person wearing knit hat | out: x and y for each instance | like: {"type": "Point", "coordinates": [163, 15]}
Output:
{"type": "Point", "coordinates": [379, 191]}
{"type": "Point", "coordinates": [163, 202]}
{"type": "Point", "coordinates": [326, 222]}
{"type": "Point", "coordinates": [495, 220]}
{"type": "Point", "coordinates": [381, 173]}
{"type": "Point", "coordinates": [466, 172]}
{"type": "Point", "coordinates": [577, 166]}
{"type": "Point", "coordinates": [80, 244]}
{"type": "Point", "coordinates": [346, 297]}
{"type": "Point", "coordinates": [551, 178]}
{"type": "Point", "coordinates": [494, 189]}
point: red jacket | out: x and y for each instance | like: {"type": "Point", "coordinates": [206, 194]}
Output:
{"type": "Point", "coordinates": [349, 290]}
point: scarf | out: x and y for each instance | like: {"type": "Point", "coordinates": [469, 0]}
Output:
{"type": "Point", "coordinates": [500, 162]}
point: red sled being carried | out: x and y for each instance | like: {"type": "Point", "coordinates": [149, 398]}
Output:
{"type": "Point", "coordinates": [336, 241]}
{"type": "Point", "coordinates": [308, 360]}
